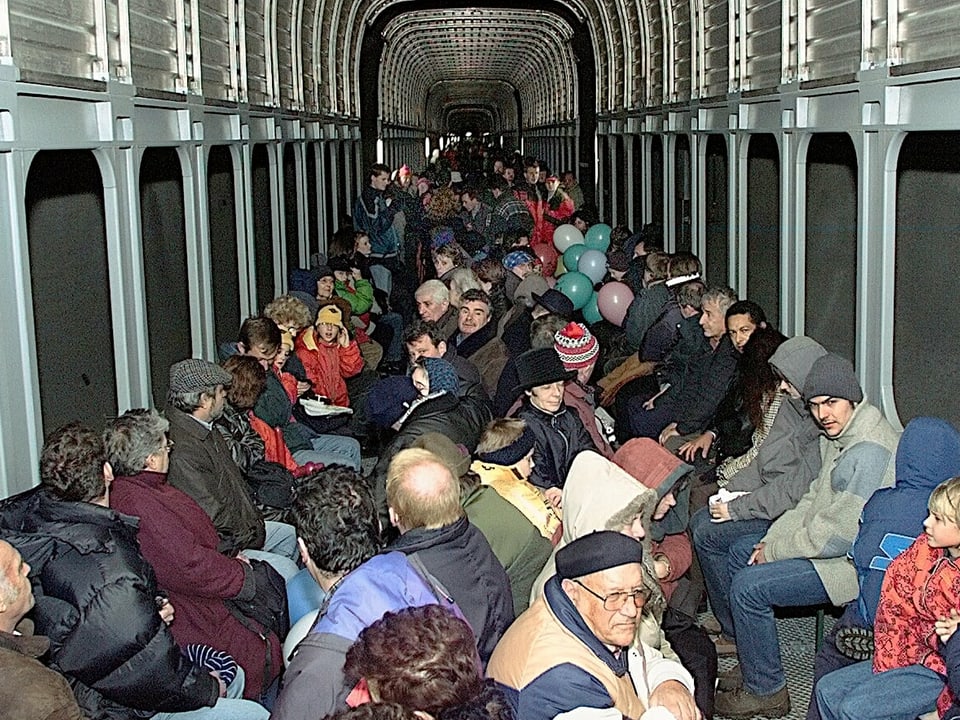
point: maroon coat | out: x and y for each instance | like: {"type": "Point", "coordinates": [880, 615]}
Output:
{"type": "Point", "coordinates": [179, 540]}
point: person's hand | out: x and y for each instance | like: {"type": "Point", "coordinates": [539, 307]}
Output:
{"type": "Point", "coordinates": [946, 626]}
{"type": "Point", "coordinates": [668, 432]}
{"type": "Point", "coordinates": [303, 387]}
{"type": "Point", "coordinates": [720, 511]}
{"type": "Point", "coordinates": [166, 612]}
{"type": "Point", "coordinates": [343, 337]}
{"type": "Point", "coordinates": [357, 275]}
{"type": "Point", "coordinates": [674, 696]}
{"type": "Point", "coordinates": [554, 496]}
{"type": "Point", "coordinates": [756, 557]}
{"type": "Point", "coordinates": [688, 451]}
{"type": "Point", "coordinates": [243, 558]}
{"type": "Point", "coordinates": [223, 686]}
{"type": "Point", "coordinates": [648, 405]}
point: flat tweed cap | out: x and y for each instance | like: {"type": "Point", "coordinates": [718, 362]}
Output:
{"type": "Point", "coordinates": [193, 375]}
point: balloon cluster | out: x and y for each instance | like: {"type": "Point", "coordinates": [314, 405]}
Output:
{"type": "Point", "coordinates": [583, 265]}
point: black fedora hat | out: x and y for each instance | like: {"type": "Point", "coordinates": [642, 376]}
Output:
{"type": "Point", "coordinates": [556, 302]}
{"type": "Point", "coordinates": [541, 366]}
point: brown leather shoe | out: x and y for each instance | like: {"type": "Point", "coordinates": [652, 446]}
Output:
{"type": "Point", "coordinates": [741, 703]}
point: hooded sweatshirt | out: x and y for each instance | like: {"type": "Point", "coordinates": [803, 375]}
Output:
{"type": "Point", "coordinates": [600, 495]}
{"type": "Point", "coordinates": [824, 524]}
{"type": "Point", "coordinates": [928, 454]}
{"type": "Point", "coordinates": [789, 458]}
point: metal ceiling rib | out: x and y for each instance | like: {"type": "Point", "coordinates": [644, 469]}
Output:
{"type": "Point", "coordinates": [612, 25]}
{"type": "Point", "coordinates": [527, 49]}
{"type": "Point", "coordinates": [497, 96]}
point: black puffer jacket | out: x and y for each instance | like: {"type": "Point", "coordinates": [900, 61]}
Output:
{"type": "Point", "coordinates": [461, 421]}
{"type": "Point", "coordinates": [95, 601]}
{"type": "Point", "coordinates": [560, 437]}
{"type": "Point", "coordinates": [460, 557]}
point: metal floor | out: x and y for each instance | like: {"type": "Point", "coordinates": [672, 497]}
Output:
{"type": "Point", "coordinates": [797, 640]}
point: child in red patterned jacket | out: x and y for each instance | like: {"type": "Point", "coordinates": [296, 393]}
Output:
{"type": "Point", "coordinates": [916, 618]}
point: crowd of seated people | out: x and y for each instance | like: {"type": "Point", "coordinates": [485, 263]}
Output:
{"type": "Point", "coordinates": [433, 479]}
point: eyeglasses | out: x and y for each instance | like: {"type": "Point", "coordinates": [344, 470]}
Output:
{"type": "Point", "coordinates": [168, 445]}
{"type": "Point", "coordinates": [615, 601]}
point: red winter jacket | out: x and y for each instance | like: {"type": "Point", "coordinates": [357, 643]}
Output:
{"type": "Point", "coordinates": [327, 364]}
{"type": "Point", "coordinates": [921, 585]}
{"type": "Point", "coordinates": [179, 540]}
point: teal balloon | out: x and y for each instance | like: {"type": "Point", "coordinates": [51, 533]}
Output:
{"type": "Point", "coordinates": [576, 286]}
{"type": "Point", "coordinates": [598, 237]}
{"type": "Point", "coordinates": [591, 311]}
{"type": "Point", "coordinates": [571, 256]}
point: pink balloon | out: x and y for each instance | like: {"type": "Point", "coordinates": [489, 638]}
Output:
{"type": "Point", "coordinates": [613, 299]}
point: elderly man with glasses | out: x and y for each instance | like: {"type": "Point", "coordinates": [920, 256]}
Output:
{"type": "Point", "coordinates": [575, 648]}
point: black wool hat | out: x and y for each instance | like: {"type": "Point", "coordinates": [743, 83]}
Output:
{"type": "Point", "coordinates": [595, 552]}
{"type": "Point", "coordinates": [540, 366]}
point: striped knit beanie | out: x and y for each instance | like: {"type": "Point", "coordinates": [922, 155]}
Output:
{"type": "Point", "coordinates": [576, 346]}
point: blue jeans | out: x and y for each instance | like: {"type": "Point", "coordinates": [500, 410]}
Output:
{"type": "Point", "coordinates": [713, 541]}
{"type": "Point", "coordinates": [331, 450]}
{"type": "Point", "coordinates": [829, 658]}
{"type": "Point", "coordinates": [231, 707]}
{"type": "Point", "coordinates": [279, 549]}
{"type": "Point", "coordinates": [755, 591]}
{"type": "Point", "coordinates": [857, 693]}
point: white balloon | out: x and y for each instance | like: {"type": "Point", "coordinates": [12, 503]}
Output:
{"type": "Point", "coordinates": [565, 236]}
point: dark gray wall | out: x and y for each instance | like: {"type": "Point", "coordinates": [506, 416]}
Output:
{"type": "Point", "coordinates": [71, 293]}
{"type": "Point", "coordinates": [164, 265]}
{"type": "Point", "coordinates": [926, 374]}
{"type": "Point", "coordinates": [262, 225]}
{"type": "Point", "coordinates": [830, 308]}
{"type": "Point", "coordinates": [763, 224]}
{"type": "Point", "coordinates": [716, 264]}
{"type": "Point", "coordinates": [223, 243]}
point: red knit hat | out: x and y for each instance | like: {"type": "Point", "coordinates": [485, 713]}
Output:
{"type": "Point", "coordinates": [576, 346]}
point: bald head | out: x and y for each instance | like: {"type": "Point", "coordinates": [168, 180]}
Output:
{"type": "Point", "coordinates": [421, 491]}
{"type": "Point", "coordinates": [16, 594]}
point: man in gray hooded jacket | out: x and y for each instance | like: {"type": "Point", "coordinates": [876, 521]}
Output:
{"type": "Point", "coordinates": [779, 474]}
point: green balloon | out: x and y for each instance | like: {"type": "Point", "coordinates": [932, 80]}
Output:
{"type": "Point", "coordinates": [591, 311]}
{"type": "Point", "coordinates": [571, 256]}
{"type": "Point", "coordinates": [598, 237]}
{"type": "Point", "coordinates": [576, 286]}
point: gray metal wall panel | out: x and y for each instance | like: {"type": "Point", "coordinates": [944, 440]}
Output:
{"type": "Point", "coordinates": [928, 30]}
{"type": "Point", "coordinates": [54, 37]}
{"type": "Point", "coordinates": [716, 43]}
{"type": "Point", "coordinates": [833, 38]}
{"type": "Point", "coordinates": [153, 44]}
{"type": "Point", "coordinates": [258, 92]}
{"type": "Point", "coordinates": [763, 44]}
{"type": "Point", "coordinates": [215, 50]}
